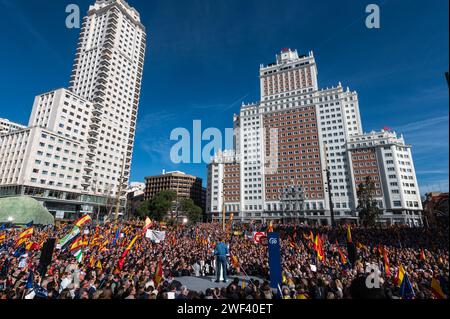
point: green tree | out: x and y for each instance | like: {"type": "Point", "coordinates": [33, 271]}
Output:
{"type": "Point", "coordinates": [161, 204]}
{"type": "Point", "coordinates": [367, 205]}
{"type": "Point", "coordinates": [158, 207]}
{"type": "Point", "coordinates": [192, 211]}
{"type": "Point", "coordinates": [143, 210]}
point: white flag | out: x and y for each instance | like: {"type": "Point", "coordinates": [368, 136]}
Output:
{"type": "Point", "coordinates": [155, 236]}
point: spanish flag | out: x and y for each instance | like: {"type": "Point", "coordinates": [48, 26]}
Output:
{"type": "Point", "coordinates": [27, 233]}
{"type": "Point", "coordinates": [292, 243]}
{"type": "Point", "coordinates": [436, 289]}
{"type": "Point", "coordinates": [400, 275]}
{"type": "Point", "coordinates": [158, 274]}
{"type": "Point", "coordinates": [127, 250]}
{"type": "Point", "coordinates": [2, 237]}
{"type": "Point", "coordinates": [32, 246]}
{"type": "Point", "coordinates": [91, 261]}
{"type": "Point", "coordinates": [24, 236]}
{"type": "Point", "coordinates": [341, 255]}
{"type": "Point", "coordinates": [235, 261]}
{"type": "Point", "coordinates": [148, 224]}
{"type": "Point", "coordinates": [422, 255]}
{"type": "Point", "coordinates": [319, 248]}
{"type": "Point", "coordinates": [76, 245]}
{"type": "Point", "coordinates": [99, 265]}
{"type": "Point", "coordinates": [104, 244]}
{"type": "Point", "coordinates": [349, 234]}
{"type": "Point", "coordinates": [83, 220]}
{"type": "Point", "coordinates": [270, 228]}
{"type": "Point", "coordinates": [387, 268]}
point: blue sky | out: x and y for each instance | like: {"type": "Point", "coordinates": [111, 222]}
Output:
{"type": "Point", "coordinates": [203, 58]}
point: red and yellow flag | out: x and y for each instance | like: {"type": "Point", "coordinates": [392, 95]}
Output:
{"type": "Point", "coordinates": [99, 265]}
{"type": "Point", "coordinates": [235, 261]}
{"type": "Point", "coordinates": [83, 220]}
{"type": "Point", "coordinates": [77, 244]}
{"type": "Point", "coordinates": [436, 289]}
{"type": "Point", "coordinates": [349, 234]}
{"type": "Point", "coordinates": [341, 254]}
{"type": "Point", "coordinates": [27, 233]}
{"type": "Point", "coordinates": [148, 224]}
{"type": "Point", "coordinates": [127, 250]}
{"type": "Point", "coordinates": [318, 245]}
{"type": "Point", "coordinates": [270, 228]}
{"type": "Point", "coordinates": [158, 274]}
{"type": "Point", "coordinates": [387, 268]}
{"type": "Point", "coordinates": [400, 275]}
{"type": "Point", "coordinates": [32, 246]}
{"type": "Point", "coordinates": [24, 236]}
{"type": "Point", "coordinates": [422, 255]}
{"type": "Point", "coordinates": [2, 237]}
{"type": "Point", "coordinates": [91, 261]}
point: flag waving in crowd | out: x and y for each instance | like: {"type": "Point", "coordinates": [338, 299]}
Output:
{"type": "Point", "coordinates": [344, 260]}
{"type": "Point", "coordinates": [83, 220]}
{"type": "Point", "coordinates": [318, 245]}
{"type": "Point", "coordinates": [127, 250]}
{"type": "Point", "coordinates": [24, 236]}
{"type": "Point", "coordinates": [387, 268]}
{"type": "Point", "coordinates": [349, 234]}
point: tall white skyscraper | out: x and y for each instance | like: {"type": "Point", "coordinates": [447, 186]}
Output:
{"type": "Point", "coordinates": [80, 140]}
{"type": "Point", "coordinates": [108, 72]}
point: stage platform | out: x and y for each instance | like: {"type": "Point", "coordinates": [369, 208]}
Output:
{"type": "Point", "coordinates": [200, 284]}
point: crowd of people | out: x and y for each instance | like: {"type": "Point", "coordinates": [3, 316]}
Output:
{"type": "Point", "coordinates": [151, 270]}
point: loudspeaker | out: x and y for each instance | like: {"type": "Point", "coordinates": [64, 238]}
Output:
{"type": "Point", "coordinates": [352, 254]}
{"type": "Point", "coordinates": [47, 252]}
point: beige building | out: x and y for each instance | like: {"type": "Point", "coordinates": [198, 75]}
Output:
{"type": "Point", "coordinates": [185, 185]}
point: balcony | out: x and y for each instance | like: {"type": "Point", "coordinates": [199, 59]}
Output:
{"type": "Point", "coordinates": [100, 86]}
{"type": "Point", "coordinates": [105, 63]}
{"type": "Point", "coordinates": [99, 99]}
{"type": "Point", "coordinates": [85, 184]}
{"type": "Point", "coordinates": [95, 126]}
{"type": "Point", "coordinates": [92, 139]}
{"type": "Point", "coordinates": [114, 13]}
{"type": "Point", "coordinates": [97, 113]}
{"type": "Point", "coordinates": [98, 107]}
{"type": "Point", "coordinates": [107, 53]}
{"type": "Point", "coordinates": [89, 161]}
{"type": "Point", "coordinates": [89, 169]}
{"type": "Point", "coordinates": [109, 36]}
{"type": "Point", "coordinates": [113, 16]}
{"type": "Point", "coordinates": [90, 152]}
{"type": "Point", "coordinates": [104, 68]}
